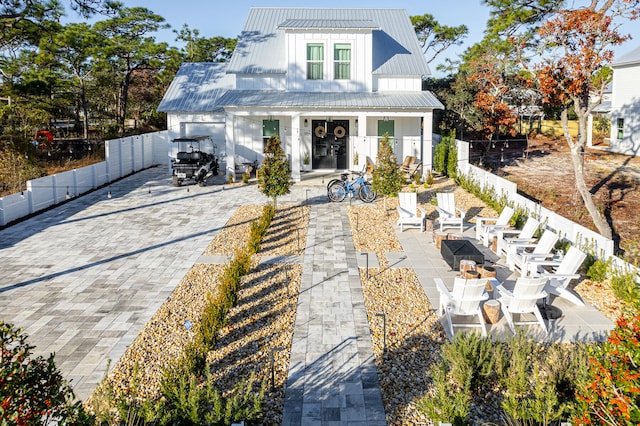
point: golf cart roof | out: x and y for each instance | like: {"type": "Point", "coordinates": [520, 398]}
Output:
{"type": "Point", "coordinates": [192, 138]}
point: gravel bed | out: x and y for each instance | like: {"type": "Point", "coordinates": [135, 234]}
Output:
{"type": "Point", "coordinates": [260, 327]}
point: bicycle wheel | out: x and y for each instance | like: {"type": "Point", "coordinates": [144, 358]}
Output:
{"type": "Point", "coordinates": [366, 193]}
{"type": "Point", "coordinates": [337, 191]}
{"type": "Point", "coordinates": [331, 182]}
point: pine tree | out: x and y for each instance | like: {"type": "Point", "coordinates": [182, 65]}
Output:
{"type": "Point", "coordinates": [274, 172]}
{"type": "Point", "coordinates": [387, 177]}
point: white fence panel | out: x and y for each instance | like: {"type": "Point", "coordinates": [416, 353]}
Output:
{"type": "Point", "coordinates": [126, 157]}
{"type": "Point", "coordinates": [14, 206]}
{"type": "Point", "coordinates": [42, 193]}
{"type": "Point", "coordinates": [101, 173]}
{"type": "Point", "coordinates": [113, 156]}
{"type": "Point", "coordinates": [137, 150]}
{"type": "Point", "coordinates": [160, 145]}
{"type": "Point", "coordinates": [64, 183]}
{"type": "Point", "coordinates": [85, 180]}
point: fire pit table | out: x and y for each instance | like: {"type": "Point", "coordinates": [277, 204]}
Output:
{"type": "Point", "coordinates": [453, 251]}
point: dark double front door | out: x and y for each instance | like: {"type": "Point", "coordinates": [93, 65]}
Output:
{"type": "Point", "coordinates": [329, 144]}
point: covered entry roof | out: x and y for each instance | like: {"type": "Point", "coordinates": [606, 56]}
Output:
{"type": "Point", "coordinates": [354, 100]}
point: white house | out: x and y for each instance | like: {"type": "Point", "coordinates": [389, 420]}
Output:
{"type": "Point", "coordinates": [330, 82]}
{"type": "Point", "coordinates": [625, 104]}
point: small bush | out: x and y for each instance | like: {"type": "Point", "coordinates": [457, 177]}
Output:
{"type": "Point", "coordinates": [230, 178]}
{"type": "Point", "coordinates": [611, 392]}
{"type": "Point", "coordinates": [32, 389]}
{"type": "Point", "coordinates": [417, 179]}
{"type": "Point", "coordinates": [625, 287]}
{"type": "Point", "coordinates": [449, 402]}
{"type": "Point", "coordinates": [187, 401]}
{"type": "Point", "coordinates": [429, 178]}
{"type": "Point", "coordinates": [194, 358]}
{"type": "Point", "coordinates": [470, 357]}
{"type": "Point", "coordinates": [245, 177]}
{"type": "Point", "coordinates": [599, 269]}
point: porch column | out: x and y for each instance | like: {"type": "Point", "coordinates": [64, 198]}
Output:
{"type": "Point", "coordinates": [590, 131]}
{"type": "Point", "coordinates": [361, 143]}
{"type": "Point", "coordinates": [296, 140]}
{"type": "Point", "coordinates": [230, 144]}
{"type": "Point", "coordinates": [427, 143]}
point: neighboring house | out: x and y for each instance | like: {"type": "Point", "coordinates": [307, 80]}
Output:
{"type": "Point", "coordinates": [625, 104]}
{"type": "Point", "coordinates": [330, 82]}
{"type": "Point", "coordinates": [600, 112]}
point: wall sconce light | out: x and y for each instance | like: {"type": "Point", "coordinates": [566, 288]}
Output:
{"type": "Point", "coordinates": [330, 119]}
{"type": "Point", "coordinates": [386, 119]}
{"type": "Point", "coordinates": [306, 123]}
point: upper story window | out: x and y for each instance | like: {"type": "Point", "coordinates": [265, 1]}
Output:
{"type": "Point", "coordinates": [342, 61]}
{"type": "Point", "coordinates": [315, 61]}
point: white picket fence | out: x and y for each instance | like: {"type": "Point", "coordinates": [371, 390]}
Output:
{"type": "Point", "coordinates": [123, 157]}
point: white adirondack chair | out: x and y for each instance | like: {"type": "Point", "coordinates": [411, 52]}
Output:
{"type": "Point", "coordinates": [463, 300]}
{"type": "Point", "coordinates": [448, 214]}
{"type": "Point", "coordinates": [486, 227]}
{"type": "Point", "coordinates": [508, 237]}
{"type": "Point", "coordinates": [409, 212]}
{"type": "Point", "coordinates": [563, 272]}
{"type": "Point", "coordinates": [523, 300]}
{"type": "Point", "coordinates": [521, 254]}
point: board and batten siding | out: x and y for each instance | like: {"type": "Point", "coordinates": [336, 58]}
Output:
{"type": "Point", "coordinates": [626, 105]}
{"type": "Point", "coordinates": [361, 60]}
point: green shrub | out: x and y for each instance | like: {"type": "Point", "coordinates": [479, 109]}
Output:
{"type": "Point", "coordinates": [32, 389]}
{"type": "Point", "coordinates": [187, 401]}
{"type": "Point", "coordinates": [449, 402]}
{"type": "Point", "coordinates": [417, 179]}
{"type": "Point", "coordinates": [470, 357]}
{"type": "Point", "coordinates": [429, 179]}
{"type": "Point", "coordinates": [599, 269]}
{"type": "Point", "coordinates": [539, 380]}
{"type": "Point", "coordinates": [445, 157]}
{"type": "Point", "coordinates": [625, 287]}
{"type": "Point", "coordinates": [387, 179]}
{"type": "Point", "coordinates": [562, 244]}
{"type": "Point", "coordinates": [519, 218]}
{"type": "Point", "coordinates": [245, 177]}
{"type": "Point", "coordinates": [230, 178]}
{"type": "Point", "coordinates": [194, 358]}
{"type": "Point", "coordinates": [212, 320]}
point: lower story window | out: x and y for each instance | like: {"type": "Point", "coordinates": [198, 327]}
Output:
{"type": "Point", "coordinates": [269, 128]}
{"type": "Point", "coordinates": [620, 128]}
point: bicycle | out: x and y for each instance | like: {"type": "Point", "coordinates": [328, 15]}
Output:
{"type": "Point", "coordinates": [338, 189]}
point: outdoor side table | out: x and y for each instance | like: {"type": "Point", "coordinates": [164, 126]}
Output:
{"type": "Point", "coordinates": [453, 251]}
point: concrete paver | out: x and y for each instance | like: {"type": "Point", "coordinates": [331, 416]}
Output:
{"type": "Point", "coordinates": [332, 376]}
{"type": "Point", "coordinates": [83, 278]}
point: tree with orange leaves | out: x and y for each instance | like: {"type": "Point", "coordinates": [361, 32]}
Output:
{"type": "Point", "coordinates": [575, 50]}
{"type": "Point", "coordinates": [489, 74]}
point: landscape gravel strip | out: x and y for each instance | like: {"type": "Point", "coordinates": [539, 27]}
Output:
{"type": "Point", "coordinates": [260, 328]}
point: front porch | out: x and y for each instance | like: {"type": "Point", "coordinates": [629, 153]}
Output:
{"type": "Point", "coordinates": [327, 142]}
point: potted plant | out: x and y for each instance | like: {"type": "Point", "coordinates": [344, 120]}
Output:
{"type": "Point", "coordinates": [355, 158]}
{"type": "Point", "coordinates": [306, 160]}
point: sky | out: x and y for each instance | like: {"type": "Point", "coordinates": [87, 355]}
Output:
{"type": "Point", "coordinates": [227, 18]}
